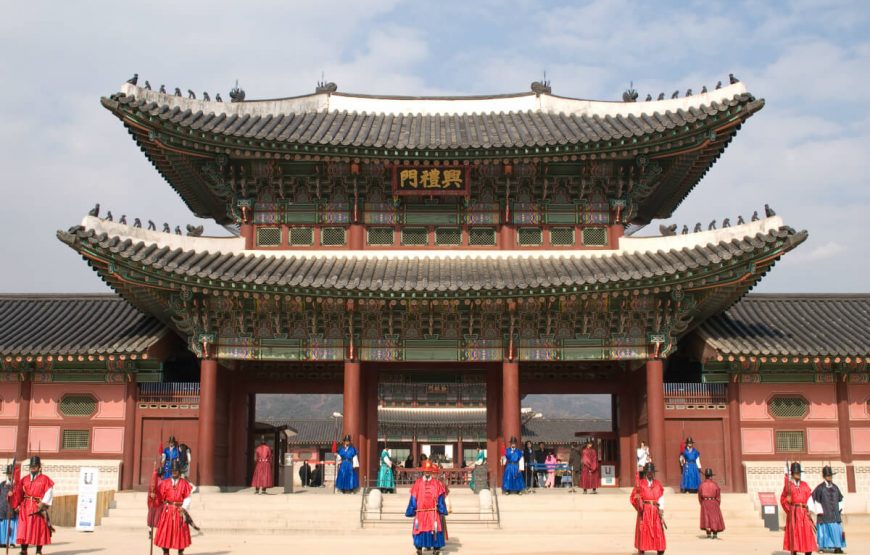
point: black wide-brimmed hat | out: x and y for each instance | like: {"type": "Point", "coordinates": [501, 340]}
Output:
{"type": "Point", "coordinates": [10, 468]}
{"type": "Point", "coordinates": [172, 439]}
{"type": "Point", "coordinates": [827, 471]}
{"type": "Point", "coordinates": [176, 465]}
{"type": "Point", "coordinates": [795, 468]}
{"type": "Point", "coordinates": [708, 473]}
{"type": "Point", "coordinates": [35, 461]}
{"type": "Point", "coordinates": [649, 468]}
{"type": "Point", "coordinates": [346, 438]}
{"type": "Point", "coordinates": [689, 440]}
{"type": "Point", "coordinates": [513, 439]}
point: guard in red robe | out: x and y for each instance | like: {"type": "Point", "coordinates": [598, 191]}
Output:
{"type": "Point", "coordinates": [590, 477]}
{"type": "Point", "coordinates": [799, 528]}
{"type": "Point", "coordinates": [710, 498]}
{"type": "Point", "coordinates": [33, 501]}
{"type": "Point", "coordinates": [428, 508]}
{"type": "Point", "coordinates": [647, 498]}
{"type": "Point", "coordinates": [263, 470]}
{"type": "Point", "coordinates": [173, 531]}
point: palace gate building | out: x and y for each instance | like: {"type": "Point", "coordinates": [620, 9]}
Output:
{"type": "Point", "coordinates": [483, 242]}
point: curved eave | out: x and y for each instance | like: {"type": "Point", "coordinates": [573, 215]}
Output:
{"type": "Point", "coordinates": [131, 262]}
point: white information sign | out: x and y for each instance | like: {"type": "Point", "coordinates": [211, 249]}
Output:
{"type": "Point", "coordinates": [86, 511]}
{"type": "Point", "coordinates": [608, 475]}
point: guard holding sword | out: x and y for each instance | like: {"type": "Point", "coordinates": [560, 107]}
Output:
{"type": "Point", "coordinates": [33, 500]}
{"type": "Point", "coordinates": [800, 531]}
{"type": "Point", "coordinates": [647, 498]}
{"type": "Point", "coordinates": [173, 529]}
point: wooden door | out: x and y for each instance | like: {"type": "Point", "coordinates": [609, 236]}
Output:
{"type": "Point", "coordinates": [709, 435]}
{"type": "Point", "coordinates": [155, 433]}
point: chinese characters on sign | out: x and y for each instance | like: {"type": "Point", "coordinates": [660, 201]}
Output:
{"type": "Point", "coordinates": [430, 180]}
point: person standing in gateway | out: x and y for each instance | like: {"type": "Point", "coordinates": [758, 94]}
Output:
{"type": "Point", "coordinates": [690, 460]}
{"type": "Point", "coordinates": [8, 518]}
{"type": "Point", "coordinates": [347, 481]}
{"type": "Point", "coordinates": [591, 476]}
{"type": "Point", "coordinates": [386, 480]}
{"type": "Point", "coordinates": [262, 478]}
{"type": "Point", "coordinates": [512, 479]}
{"type": "Point", "coordinates": [828, 502]}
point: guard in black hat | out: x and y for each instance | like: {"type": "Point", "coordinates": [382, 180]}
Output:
{"type": "Point", "coordinates": [710, 497]}
{"type": "Point", "coordinates": [173, 528]}
{"type": "Point", "coordinates": [8, 519]}
{"type": "Point", "coordinates": [828, 500]}
{"type": "Point", "coordinates": [170, 453]}
{"type": "Point", "coordinates": [347, 459]}
{"type": "Point", "coordinates": [799, 529]}
{"type": "Point", "coordinates": [690, 461]}
{"type": "Point", "coordinates": [512, 478]}
{"type": "Point", "coordinates": [647, 498]}
{"type": "Point", "coordinates": [34, 523]}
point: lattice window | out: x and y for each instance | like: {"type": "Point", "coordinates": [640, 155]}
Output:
{"type": "Point", "coordinates": [380, 236]}
{"type": "Point", "coordinates": [527, 236]}
{"type": "Point", "coordinates": [788, 406]}
{"type": "Point", "coordinates": [76, 440]}
{"type": "Point", "coordinates": [481, 237]}
{"type": "Point", "coordinates": [268, 236]}
{"type": "Point", "coordinates": [78, 405]}
{"type": "Point", "coordinates": [595, 236]}
{"type": "Point", "coordinates": [790, 442]}
{"type": "Point", "coordinates": [562, 236]}
{"type": "Point", "coordinates": [415, 236]}
{"type": "Point", "coordinates": [301, 236]}
{"type": "Point", "coordinates": [448, 236]}
{"type": "Point", "coordinates": [332, 236]}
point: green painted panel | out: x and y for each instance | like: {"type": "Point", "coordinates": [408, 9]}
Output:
{"type": "Point", "coordinates": [788, 377]}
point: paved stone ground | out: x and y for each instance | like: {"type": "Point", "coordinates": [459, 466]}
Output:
{"type": "Point", "coordinates": [373, 542]}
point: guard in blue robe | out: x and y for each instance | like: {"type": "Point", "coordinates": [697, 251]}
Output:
{"type": "Point", "coordinates": [690, 459]}
{"type": "Point", "coordinates": [828, 501]}
{"type": "Point", "coordinates": [347, 481]}
{"type": "Point", "coordinates": [512, 479]}
{"type": "Point", "coordinates": [170, 454]}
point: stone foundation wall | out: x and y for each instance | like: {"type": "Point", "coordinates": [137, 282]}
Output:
{"type": "Point", "coordinates": [65, 474]}
{"type": "Point", "coordinates": [769, 476]}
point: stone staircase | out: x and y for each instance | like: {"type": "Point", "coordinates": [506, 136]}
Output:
{"type": "Point", "coordinates": [550, 512]}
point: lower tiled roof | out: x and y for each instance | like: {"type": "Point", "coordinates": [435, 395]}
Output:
{"type": "Point", "coordinates": [788, 324]}
{"type": "Point", "coordinates": [71, 324]}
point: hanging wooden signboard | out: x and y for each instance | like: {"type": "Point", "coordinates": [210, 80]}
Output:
{"type": "Point", "coordinates": [413, 180]}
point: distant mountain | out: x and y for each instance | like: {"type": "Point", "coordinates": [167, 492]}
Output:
{"type": "Point", "coordinates": [311, 406]}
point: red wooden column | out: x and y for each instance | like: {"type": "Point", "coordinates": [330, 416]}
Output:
{"type": "Point", "coordinates": [510, 388]}
{"type": "Point", "coordinates": [351, 399]}
{"type": "Point", "coordinates": [247, 233]}
{"type": "Point", "coordinates": [372, 450]}
{"type": "Point", "coordinates": [239, 398]}
{"type": "Point", "coordinates": [845, 435]}
{"type": "Point", "coordinates": [655, 409]}
{"type": "Point", "coordinates": [208, 376]}
{"type": "Point", "coordinates": [626, 424]}
{"type": "Point", "coordinates": [356, 237]}
{"type": "Point", "coordinates": [493, 398]}
{"type": "Point", "coordinates": [21, 447]}
{"type": "Point", "coordinates": [738, 477]}
{"type": "Point", "coordinates": [129, 434]}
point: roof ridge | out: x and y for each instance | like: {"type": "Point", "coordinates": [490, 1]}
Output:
{"type": "Point", "coordinates": [62, 296]}
{"type": "Point", "coordinates": [785, 296]}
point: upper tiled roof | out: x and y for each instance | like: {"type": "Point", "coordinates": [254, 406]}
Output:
{"type": "Point", "coordinates": [507, 121]}
{"type": "Point", "coordinates": [794, 325]}
{"type": "Point", "coordinates": [70, 324]}
{"type": "Point", "coordinates": [347, 272]}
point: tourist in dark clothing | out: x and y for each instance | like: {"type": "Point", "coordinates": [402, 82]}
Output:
{"type": "Point", "coordinates": [540, 469]}
{"type": "Point", "coordinates": [305, 474]}
{"type": "Point", "coordinates": [409, 462]}
{"type": "Point", "coordinates": [575, 463]}
{"type": "Point", "coordinates": [528, 461]}
{"type": "Point", "coordinates": [8, 518]}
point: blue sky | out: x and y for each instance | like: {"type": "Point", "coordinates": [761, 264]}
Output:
{"type": "Point", "coordinates": [807, 153]}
